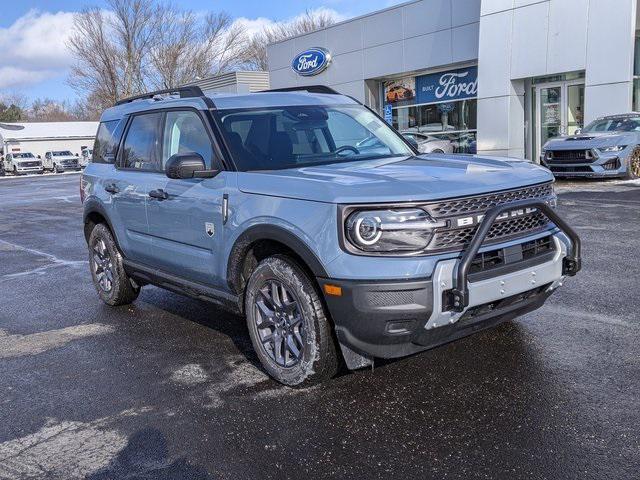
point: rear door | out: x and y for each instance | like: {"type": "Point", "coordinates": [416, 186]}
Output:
{"type": "Point", "coordinates": [138, 157]}
{"type": "Point", "coordinates": [186, 226]}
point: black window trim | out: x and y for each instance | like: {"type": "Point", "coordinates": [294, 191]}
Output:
{"type": "Point", "coordinates": [217, 160]}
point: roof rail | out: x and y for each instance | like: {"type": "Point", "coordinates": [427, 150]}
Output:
{"type": "Point", "coordinates": [189, 91]}
{"type": "Point", "coordinates": [308, 88]}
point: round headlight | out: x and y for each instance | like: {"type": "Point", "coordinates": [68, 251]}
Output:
{"type": "Point", "coordinates": [406, 230]}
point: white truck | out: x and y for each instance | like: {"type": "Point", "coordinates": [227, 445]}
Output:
{"type": "Point", "coordinates": [60, 161]}
{"type": "Point", "coordinates": [22, 163]}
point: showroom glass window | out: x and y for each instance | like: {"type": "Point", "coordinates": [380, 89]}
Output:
{"type": "Point", "coordinates": [441, 105]}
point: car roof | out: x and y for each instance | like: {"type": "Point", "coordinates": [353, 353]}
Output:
{"type": "Point", "coordinates": [228, 101]}
{"type": "Point", "coordinates": [621, 116]}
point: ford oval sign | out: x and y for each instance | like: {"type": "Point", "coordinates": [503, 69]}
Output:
{"type": "Point", "coordinates": [311, 61]}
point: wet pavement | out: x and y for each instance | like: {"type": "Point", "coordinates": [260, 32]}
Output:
{"type": "Point", "coordinates": [168, 388]}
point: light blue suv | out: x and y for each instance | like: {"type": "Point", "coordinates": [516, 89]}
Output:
{"type": "Point", "coordinates": [304, 211]}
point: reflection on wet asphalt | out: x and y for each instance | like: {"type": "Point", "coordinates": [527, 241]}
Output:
{"type": "Point", "coordinates": [169, 387]}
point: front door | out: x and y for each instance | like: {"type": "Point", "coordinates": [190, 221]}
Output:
{"type": "Point", "coordinates": [559, 110]}
{"type": "Point", "coordinates": [186, 225]}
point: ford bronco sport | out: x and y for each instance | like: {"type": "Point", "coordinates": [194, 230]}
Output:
{"type": "Point", "coordinates": [302, 210]}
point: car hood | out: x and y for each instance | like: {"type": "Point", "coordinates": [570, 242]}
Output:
{"type": "Point", "coordinates": [396, 179]}
{"type": "Point", "coordinates": [65, 158]}
{"type": "Point", "coordinates": [590, 140]}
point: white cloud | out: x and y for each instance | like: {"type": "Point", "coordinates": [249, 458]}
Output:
{"type": "Point", "coordinates": [255, 25]}
{"type": "Point", "coordinates": [34, 47]}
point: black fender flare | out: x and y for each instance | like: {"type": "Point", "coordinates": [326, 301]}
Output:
{"type": "Point", "coordinates": [270, 232]}
{"type": "Point", "coordinates": [93, 205]}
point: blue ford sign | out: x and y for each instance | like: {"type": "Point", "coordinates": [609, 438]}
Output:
{"type": "Point", "coordinates": [447, 86]}
{"type": "Point", "coordinates": [311, 61]}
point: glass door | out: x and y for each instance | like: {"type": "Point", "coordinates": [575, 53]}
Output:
{"type": "Point", "coordinates": [550, 112]}
{"type": "Point", "coordinates": [559, 110]}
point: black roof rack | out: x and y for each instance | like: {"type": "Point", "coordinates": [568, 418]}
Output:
{"type": "Point", "coordinates": [309, 88]}
{"type": "Point", "coordinates": [190, 91]}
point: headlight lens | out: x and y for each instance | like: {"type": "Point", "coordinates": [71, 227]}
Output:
{"type": "Point", "coordinates": [613, 148]}
{"type": "Point", "coordinates": [402, 230]}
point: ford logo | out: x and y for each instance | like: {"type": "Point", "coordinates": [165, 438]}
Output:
{"type": "Point", "coordinates": [311, 61]}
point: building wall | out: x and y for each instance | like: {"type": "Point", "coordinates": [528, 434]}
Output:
{"type": "Point", "coordinates": [413, 36]}
{"type": "Point", "coordinates": [521, 39]}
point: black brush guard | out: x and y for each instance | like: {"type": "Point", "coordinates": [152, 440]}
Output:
{"type": "Point", "coordinates": [571, 264]}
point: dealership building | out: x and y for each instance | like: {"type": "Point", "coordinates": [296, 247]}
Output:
{"type": "Point", "coordinates": [497, 77]}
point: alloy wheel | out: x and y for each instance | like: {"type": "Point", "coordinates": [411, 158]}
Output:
{"type": "Point", "coordinates": [103, 266]}
{"type": "Point", "coordinates": [279, 324]}
{"type": "Point", "coordinates": [634, 165]}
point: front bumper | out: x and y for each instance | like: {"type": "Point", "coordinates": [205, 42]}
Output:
{"type": "Point", "coordinates": [23, 170]}
{"type": "Point", "coordinates": [399, 318]}
{"type": "Point", "coordinates": [603, 165]}
{"type": "Point", "coordinates": [392, 319]}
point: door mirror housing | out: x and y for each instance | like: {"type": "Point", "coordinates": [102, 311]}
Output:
{"type": "Point", "coordinates": [188, 165]}
{"type": "Point", "coordinates": [578, 131]}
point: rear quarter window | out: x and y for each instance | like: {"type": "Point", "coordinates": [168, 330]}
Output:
{"type": "Point", "coordinates": [105, 143]}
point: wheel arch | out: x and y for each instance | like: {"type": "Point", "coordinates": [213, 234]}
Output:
{"type": "Point", "coordinates": [94, 214]}
{"type": "Point", "coordinates": [260, 241]}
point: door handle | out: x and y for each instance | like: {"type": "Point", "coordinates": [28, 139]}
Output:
{"type": "Point", "coordinates": [111, 188]}
{"type": "Point", "coordinates": [159, 194]}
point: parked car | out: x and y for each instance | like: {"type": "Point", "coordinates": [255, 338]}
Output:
{"type": "Point", "coordinates": [258, 203]}
{"type": "Point", "coordinates": [607, 147]}
{"type": "Point", "coordinates": [85, 157]}
{"type": "Point", "coordinates": [428, 144]}
{"type": "Point", "coordinates": [22, 163]}
{"type": "Point", "coordinates": [61, 161]}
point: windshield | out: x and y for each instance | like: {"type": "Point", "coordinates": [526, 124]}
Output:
{"type": "Point", "coordinates": [64, 153]}
{"type": "Point", "coordinates": [23, 155]}
{"type": "Point", "coordinates": [298, 136]}
{"type": "Point", "coordinates": [628, 124]}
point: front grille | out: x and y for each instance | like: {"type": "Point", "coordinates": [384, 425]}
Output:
{"type": "Point", "coordinates": [579, 169]}
{"type": "Point", "coordinates": [500, 231]}
{"type": "Point", "coordinates": [455, 237]}
{"type": "Point", "coordinates": [30, 164]}
{"type": "Point", "coordinates": [568, 156]}
{"type": "Point", "coordinates": [486, 261]}
{"type": "Point", "coordinates": [483, 203]}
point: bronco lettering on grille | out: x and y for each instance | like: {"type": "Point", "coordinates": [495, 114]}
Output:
{"type": "Point", "coordinates": [476, 219]}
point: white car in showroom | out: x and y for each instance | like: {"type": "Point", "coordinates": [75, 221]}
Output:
{"type": "Point", "coordinates": [22, 163]}
{"type": "Point", "coordinates": [427, 143]}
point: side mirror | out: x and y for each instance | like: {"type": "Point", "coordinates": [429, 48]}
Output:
{"type": "Point", "coordinates": [578, 131]}
{"type": "Point", "coordinates": [39, 157]}
{"type": "Point", "coordinates": [188, 165]}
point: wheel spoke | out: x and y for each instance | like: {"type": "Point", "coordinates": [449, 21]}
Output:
{"type": "Point", "coordinates": [292, 347]}
{"type": "Point", "coordinates": [275, 294]}
{"type": "Point", "coordinates": [266, 314]}
{"type": "Point", "coordinates": [278, 343]}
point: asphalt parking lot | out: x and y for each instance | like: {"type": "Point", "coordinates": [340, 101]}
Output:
{"type": "Point", "coordinates": [168, 388]}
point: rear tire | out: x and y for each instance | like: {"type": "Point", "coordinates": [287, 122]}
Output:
{"type": "Point", "coordinates": [107, 271]}
{"type": "Point", "coordinates": [288, 325]}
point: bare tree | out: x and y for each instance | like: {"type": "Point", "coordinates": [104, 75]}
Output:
{"type": "Point", "coordinates": [255, 54]}
{"type": "Point", "coordinates": [137, 45]}
{"type": "Point", "coordinates": [190, 47]}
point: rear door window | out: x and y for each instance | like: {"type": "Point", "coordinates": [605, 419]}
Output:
{"type": "Point", "coordinates": [140, 150]}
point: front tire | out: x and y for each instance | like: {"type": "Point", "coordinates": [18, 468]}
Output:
{"type": "Point", "coordinates": [288, 325]}
{"type": "Point", "coordinates": [633, 171]}
{"type": "Point", "coordinates": [107, 271]}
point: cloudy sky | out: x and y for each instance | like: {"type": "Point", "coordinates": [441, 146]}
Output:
{"type": "Point", "coordinates": [33, 35]}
